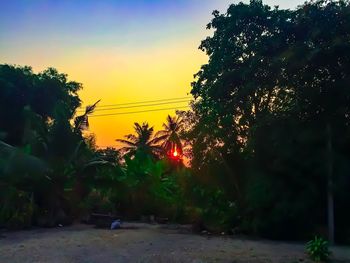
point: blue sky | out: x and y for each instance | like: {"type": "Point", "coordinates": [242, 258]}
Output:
{"type": "Point", "coordinates": [121, 51]}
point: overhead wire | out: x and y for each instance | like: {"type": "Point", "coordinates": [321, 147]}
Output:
{"type": "Point", "coordinates": [141, 102]}
{"type": "Point", "coordinates": [133, 112]}
{"type": "Point", "coordinates": [143, 105]}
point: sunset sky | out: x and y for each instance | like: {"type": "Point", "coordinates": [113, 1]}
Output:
{"type": "Point", "coordinates": [122, 51]}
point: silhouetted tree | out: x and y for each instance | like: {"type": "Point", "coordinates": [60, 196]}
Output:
{"type": "Point", "coordinates": [169, 137]}
{"type": "Point", "coordinates": [142, 142]}
{"type": "Point", "coordinates": [272, 109]}
{"type": "Point", "coordinates": [319, 72]}
{"type": "Point", "coordinates": [45, 94]}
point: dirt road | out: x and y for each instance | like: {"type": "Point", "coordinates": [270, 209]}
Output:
{"type": "Point", "coordinates": [144, 243]}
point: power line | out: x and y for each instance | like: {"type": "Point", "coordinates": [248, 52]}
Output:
{"type": "Point", "coordinates": [132, 112]}
{"type": "Point", "coordinates": [142, 102]}
{"type": "Point", "coordinates": [146, 105]}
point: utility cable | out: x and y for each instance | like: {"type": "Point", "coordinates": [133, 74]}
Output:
{"type": "Point", "coordinates": [143, 102]}
{"type": "Point", "coordinates": [137, 106]}
{"type": "Point", "coordinates": [133, 112]}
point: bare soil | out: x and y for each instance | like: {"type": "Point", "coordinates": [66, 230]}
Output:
{"type": "Point", "coordinates": [146, 243]}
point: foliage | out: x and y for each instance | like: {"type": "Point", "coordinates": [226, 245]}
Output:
{"type": "Point", "coordinates": [47, 94]}
{"type": "Point", "coordinates": [170, 135]}
{"type": "Point", "coordinates": [267, 136]}
{"type": "Point", "coordinates": [149, 187]}
{"type": "Point", "coordinates": [38, 111]}
{"type": "Point", "coordinates": [16, 210]}
{"type": "Point", "coordinates": [19, 173]}
{"type": "Point", "coordinates": [217, 213]}
{"type": "Point", "coordinates": [143, 141]}
{"type": "Point", "coordinates": [97, 202]}
{"type": "Point", "coordinates": [271, 112]}
{"type": "Point", "coordinates": [54, 173]}
{"type": "Point", "coordinates": [82, 122]}
{"type": "Point", "coordinates": [318, 249]}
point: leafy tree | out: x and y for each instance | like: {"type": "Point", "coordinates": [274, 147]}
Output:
{"type": "Point", "coordinates": [241, 80]}
{"type": "Point", "coordinates": [318, 70]}
{"type": "Point", "coordinates": [271, 109]}
{"type": "Point", "coordinates": [44, 94]}
{"type": "Point", "coordinates": [237, 89]}
{"type": "Point", "coordinates": [37, 112]}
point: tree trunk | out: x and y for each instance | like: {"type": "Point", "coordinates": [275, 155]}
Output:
{"type": "Point", "coordinates": [330, 198]}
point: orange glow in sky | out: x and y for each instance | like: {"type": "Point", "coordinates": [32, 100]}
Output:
{"type": "Point", "coordinates": [121, 51]}
{"type": "Point", "coordinates": [157, 73]}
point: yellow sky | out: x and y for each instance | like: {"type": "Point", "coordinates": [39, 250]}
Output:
{"type": "Point", "coordinates": [122, 77]}
{"type": "Point", "coordinates": [121, 51]}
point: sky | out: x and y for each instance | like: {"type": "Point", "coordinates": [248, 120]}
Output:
{"type": "Point", "coordinates": [122, 51]}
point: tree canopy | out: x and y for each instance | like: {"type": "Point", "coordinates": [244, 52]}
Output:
{"type": "Point", "coordinates": [48, 95]}
{"type": "Point", "coordinates": [272, 106]}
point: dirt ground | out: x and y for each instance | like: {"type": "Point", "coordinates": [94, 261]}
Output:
{"type": "Point", "coordinates": [145, 243]}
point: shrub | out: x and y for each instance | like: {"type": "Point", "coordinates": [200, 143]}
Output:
{"type": "Point", "coordinates": [217, 212]}
{"type": "Point", "coordinates": [17, 209]}
{"type": "Point", "coordinates": [96, 202]}
{"type": "Point", "coordinates": [318, 249]}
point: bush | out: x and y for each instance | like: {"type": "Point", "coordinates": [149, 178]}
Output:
{"type": "Point", "coordinates": [217, 212]}
{"type": "Point", "coordinates": [96, 202]}
{"type": "Point", "coordinates": [318, 249]}
{"type": "Point", "coordinates": [17, 210]}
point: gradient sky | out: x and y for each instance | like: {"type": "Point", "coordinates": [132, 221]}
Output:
{"type": "Point", "coordinates": [121, 51]}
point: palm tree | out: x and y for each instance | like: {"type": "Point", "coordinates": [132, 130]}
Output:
{"type": "Point", "coordinates": [82, 122]}
{"type": "Point", "coordinates": [143, 141]}
{"type": "Point", "coordinates": [170, 137]}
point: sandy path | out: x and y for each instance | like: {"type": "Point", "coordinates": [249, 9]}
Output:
{"type": "Point", "coordinates": [145, 243]}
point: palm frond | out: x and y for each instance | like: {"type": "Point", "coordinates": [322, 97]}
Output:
{"type": "Point", "coordinates": [158, 139]}
{"type": "Point", "coordinates": [126, 142]}
{"type": "Point", "coordinates": [132, 138]}
{"type": "Point", "coordinates": [90, 108]}
{"type": "Point", "coordinates": [161, 133]}
{"type": "Point", "coordinates": [82, 122]}
{"type": "Point", "coordinates": [165, 126]}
